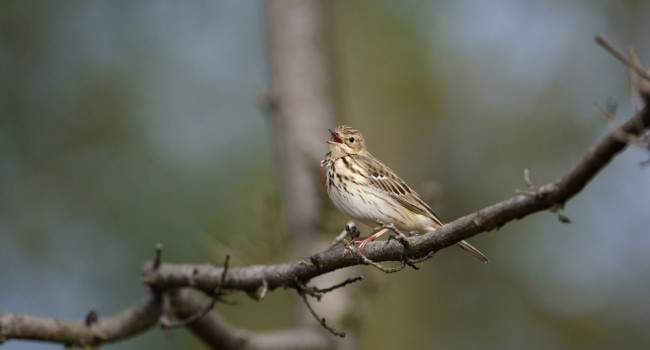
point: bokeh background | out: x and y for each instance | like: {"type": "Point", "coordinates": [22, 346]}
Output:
{"type": "Point", "coordinates": [124, 124]}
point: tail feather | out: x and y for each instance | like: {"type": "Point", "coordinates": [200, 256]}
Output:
{"type": "Point", "coordinates": [472, 250]}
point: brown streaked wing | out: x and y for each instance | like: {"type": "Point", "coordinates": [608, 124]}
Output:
{"type": "Point", "coordinates": [385, 179]}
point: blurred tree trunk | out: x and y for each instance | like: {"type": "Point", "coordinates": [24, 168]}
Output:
{"type": "Point", "coordinates": [304, 102]}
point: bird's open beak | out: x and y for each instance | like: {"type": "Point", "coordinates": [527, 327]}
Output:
{"type": "Point", "coordinates": [336, 140]}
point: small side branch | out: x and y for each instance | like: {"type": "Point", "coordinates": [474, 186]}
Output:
{"type": "Point", "coordinates": [621, 56]}
{"type": "Point", "coordinates": [320, 320]}
{"type": "Point", "coordinates": [318, 292]}
{"type": "Point", "coordinates": [303, 290]}
{"type": "Point", "coordinates": [349, 232]}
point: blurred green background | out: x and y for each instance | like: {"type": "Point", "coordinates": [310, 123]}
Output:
{"type": "Point", "coordinates": [124, 124]}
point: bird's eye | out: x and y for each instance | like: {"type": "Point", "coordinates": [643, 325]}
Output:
{"type": "Point", "coordinates": [351, 139]}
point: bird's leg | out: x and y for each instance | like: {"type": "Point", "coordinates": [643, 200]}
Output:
{"type": "Point", "coordinates": [378, 231]}
{"type": "Point", "coordinates": [356, 239]}
{"type": "Point", "coordinates": [372, 237]}
{"type": "Point", "coordinates": [362, 241]}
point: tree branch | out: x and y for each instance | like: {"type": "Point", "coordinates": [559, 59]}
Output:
{"type": "Point", "coordinates": [129, 322]}
{"type": "Point", "coordinates": [218, 334]}
{"type": "Point", "coordinates": [550, 196]}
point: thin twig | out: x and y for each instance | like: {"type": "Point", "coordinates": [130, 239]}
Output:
{"type": "Point", "coordinates": [350, 231]}
{"type": "Point", "coordinates": [635, 95]}
{"type": "Point", "coordinates": [354, 250]}
{"type": "Point", "coordinates": [91, 317]}
{"type": "Point", "coordinates": [158, 258]}
{"type": "Point", "coordinates": [532, 190]}
{"type": "Point", "coordinates": [411, 262]}
{"type": "Point", "coordinates": [318, 292]}
{"type": "Point", "coordinates": [531, 187]}
{"type": "Point", "coordinates": [347, 281]}
{"type": "Point", "coordinates": [620, 55]}
{"type": "Point", "coordinates": [226, 264]}
{"type": "Point", "coordinates": [402, 239]}
{"type": "Point", "coordinates": [616, 52]}
{"type": "Point", "coordinates": [321, 320]}
{"type": "Point", "coordinates": [608, 113]}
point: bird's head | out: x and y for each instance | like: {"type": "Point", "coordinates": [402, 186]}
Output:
{"type": "Point", "coordinates": [346, 140]}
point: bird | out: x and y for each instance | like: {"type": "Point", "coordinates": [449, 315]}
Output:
{"type": "Point", "coordinates": [368, 191]}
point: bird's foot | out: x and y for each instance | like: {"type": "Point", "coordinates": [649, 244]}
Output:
{"type": "Point", "coordinates": [362, 241]}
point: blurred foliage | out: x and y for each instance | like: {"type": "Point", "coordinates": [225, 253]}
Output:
{"type": "Point", "coordinates": [127, 124]}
